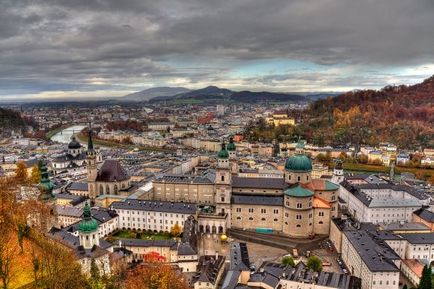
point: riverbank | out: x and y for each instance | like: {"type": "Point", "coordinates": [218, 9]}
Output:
{"type": "Point", "coordinates": [420, 172]}
{"type": "Point", "coordinates": [55, 131]}
{"type": "Point", "coordinates": [111, 144]}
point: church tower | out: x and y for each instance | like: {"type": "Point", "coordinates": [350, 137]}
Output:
{"type": "Point", "coordinates": [223, 187]}
{"type": "Point", "coordinates": [88, 229]}
{"type": "Point", "coordinates": [338, 172]}
{"type": "Point", "coordinates": [46, 218]}
{"type": "Point", "coordinates": [232, 150]}
{"type": "Point", "coordinates": [91, 168]}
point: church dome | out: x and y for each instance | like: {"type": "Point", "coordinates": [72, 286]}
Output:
{"type": "Point", "coordinates": [223, 153]}
{"type": "Point", "coordinates": [231, 145]}
{"type": "Point", "coordinates": [298, 163]}
{"type": "Point", "coordinates": [88, 224]}
{"type": "Point", "coordinates": [74, 144]}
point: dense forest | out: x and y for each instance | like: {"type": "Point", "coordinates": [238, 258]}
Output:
{"type": "Point", "coordinates": [403, 115]}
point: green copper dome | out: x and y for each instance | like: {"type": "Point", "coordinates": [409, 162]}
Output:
{"type": "Point", "coordinates": [223, 153]}
{"type": "Point", "coordinates": [298, 192]}
{"type": "Point", "coordinates": [298, 163]}
{"type": "Point", "coordinates": [231, 145]}
{"type": "Point", "coordinates": [46, 186]}
{"type": "Point", "coordinates": [88, 224]}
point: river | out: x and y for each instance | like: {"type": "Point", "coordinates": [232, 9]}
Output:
{"type": "Point", "coordinates": [65, 135]}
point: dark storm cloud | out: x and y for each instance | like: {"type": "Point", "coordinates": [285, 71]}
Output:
{"type": "Point", "coordinates": [63, 41]}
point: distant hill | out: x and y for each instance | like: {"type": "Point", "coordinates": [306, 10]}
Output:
{"type": "Point", "coordinates": [212, 94]}
{"type": "Point", "coordinates": [401, 114]}
{"type": "Point", "coordinates": [151, 93]}
{"type": "Point", "coordinates": [248, 96]}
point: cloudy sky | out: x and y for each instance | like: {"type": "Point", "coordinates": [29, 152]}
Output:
{"type": "Point", "coordinates": [92, 48]}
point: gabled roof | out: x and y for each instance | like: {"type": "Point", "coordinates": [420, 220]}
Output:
{"type": "Point", "coordinates": [112, 171]}
{"type": "Point", "coordinates": [425, 215]}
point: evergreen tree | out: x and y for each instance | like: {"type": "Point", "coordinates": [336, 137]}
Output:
{"type": "Point", "coordinates": [425, 280]}
{"type": "Point", "coordinates": [288, 261]}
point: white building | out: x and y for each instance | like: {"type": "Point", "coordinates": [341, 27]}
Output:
{"type": "Point", "coordinates": [152, 215]}
{"type": "Point", "coordinates": [376, 264]}
{"type": "Point", "coordinates": [381, 202]}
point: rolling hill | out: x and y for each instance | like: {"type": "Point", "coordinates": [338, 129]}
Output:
{"type": "Point", "coordinates": [154, 92]}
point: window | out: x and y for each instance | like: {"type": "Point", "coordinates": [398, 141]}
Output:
{"type": "Point", "coordinates": [263, 211]}
{"type": "Point", "coordinates": [299, 205]}
{"type": "Point", "coordinates": [298, 178]}
{"type": "Point", "coordinates": [238, 210]}
{"type": "Point", "coordinates": [251, 218]}
{"type": "Point", "coordinates": [276, 211]}
{"type": "Point", "coordinates": [251, 210]}
{"type": "Point", "coordinates": [223, 178]}
{"type": "Point", "coordinates": [298, 217]}
{"type": "Point", "coordinates": [321, 214]}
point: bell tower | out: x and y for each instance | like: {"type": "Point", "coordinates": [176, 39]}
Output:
{"type": "Point", "coordinates": [338, 172]}
{"type": "Point", "coordinates": [88, 229]}
{"type": "Point", "coordinates": [223, 184]}
{"type": "Point", "coordinates": [91, 168]}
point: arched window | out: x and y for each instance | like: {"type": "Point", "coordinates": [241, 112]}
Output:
{"type": "Point", "coordinates": [107, 189]}
{"type": "Point", "coordinates": [116, 189]}
{"type": "Point", "coordinates": [101, 189]}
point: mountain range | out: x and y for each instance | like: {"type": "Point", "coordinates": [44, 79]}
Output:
{"type": "Point", "coordinates": [154, 92]}
{"type": "Point", "coordinates": [211, 94]}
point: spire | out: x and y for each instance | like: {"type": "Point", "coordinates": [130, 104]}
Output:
{"type": "Point", "coordinates": [88, 224]}
{"type": "Point", "coordinates": [90, 142]}
{"type": "Point", "coordinates": [338, 164]}
{"type": "Point", "coordinates": [87, 213]}
{"type": "Point", "coordinates": [223, 153]}
{"type": "Point", "coordinates": [46, 186]}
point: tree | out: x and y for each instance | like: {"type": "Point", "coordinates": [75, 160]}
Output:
{"type": "Point", "coordinates": [288, 261]}
{"type": "Point", "coordinates": [7, 258]}
{"type": "Point", "coordinates": [35, 176]}
{"type": "Point", "coordinates": [176, 230]}
{"type": "Point", "coordinates": [21, 175]}
{"type": "Point", "coordinates": [425, 280]}
{"type": "Point", "coordinates": [314, 263]}
{"type": "Point", "coordinates": [155, 275]}
{"type": "Point", "coordinates": [95, 277]}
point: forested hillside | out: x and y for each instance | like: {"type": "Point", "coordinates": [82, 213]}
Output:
{"type": "Point", "coordinates": [401, 114]}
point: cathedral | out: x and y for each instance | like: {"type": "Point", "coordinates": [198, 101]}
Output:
{"type": "Point", "coordinates": [294, 205]}
{"type": "Point", "coordinates": [110, 179]}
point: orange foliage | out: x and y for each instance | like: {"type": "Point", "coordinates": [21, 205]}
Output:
{"type": "Point", "coordinates": [155, 275]}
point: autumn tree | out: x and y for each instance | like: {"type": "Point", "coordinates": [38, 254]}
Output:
{"type": "Point", "coordinates": [155, 275]}
{"type": "Point", "coordinates": [55, 264]}
{"type": "Point", "coordinates": [35, 176]}
{"type": "Point", "coordinates": [176, 230]}
{"type": "Point", "coordinates": [21, 175]}
{"type": "Point", "coordinates": [8, 256]}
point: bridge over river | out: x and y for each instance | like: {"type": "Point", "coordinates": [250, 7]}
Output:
{"type": "Point", "coordinates": [64, 136]}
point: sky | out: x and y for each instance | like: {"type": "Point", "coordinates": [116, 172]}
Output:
{"type": "Point", "coordinates": [105, 48]}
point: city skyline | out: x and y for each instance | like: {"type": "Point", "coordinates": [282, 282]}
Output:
{"type": "Point", "coordinates": [60, 49]}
